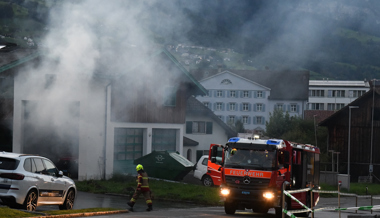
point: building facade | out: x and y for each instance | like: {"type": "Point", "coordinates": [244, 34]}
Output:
{"type": "Point", "coordinates": [334, 95]}
{"type": "Point", "coordinates": [250, 96]}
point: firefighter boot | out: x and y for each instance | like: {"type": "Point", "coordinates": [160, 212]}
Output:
{"type": "Point", "coordinates": [130, 203]}
{"type": "Point", "coordinates": [149, 208]}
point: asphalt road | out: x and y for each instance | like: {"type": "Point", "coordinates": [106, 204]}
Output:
{"type": "Point", "coordinates": [188, 210]}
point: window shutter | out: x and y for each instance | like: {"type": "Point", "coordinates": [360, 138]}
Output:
{"type": "Point", "coordinates": [215, 93]}
{"type": "Point", "coordinates": [222, 106]}
{"type": "Point", "coordinates": [255, 94]}
{"type": "Point", "coordinates": [189, 127]}
{"type": "Point", "coordinates": [237, 94]}
{"type": "Point", "coordinates": [249, 94]}
{"type": "Point", "coordinates": [255, 107]}
{"type": "Point", "coordinates": [241, 106]}
{"type": "Point", "coordinates": [214, 105]}
{"type": "Point", "coordinates": [254, 120]}
{"type": "Point", "coordinates": [298, 108]}
{"type": "Point", "coordinates": [264, 94]}
{"type": "Point", "coordinates": [283, 108]}
{"type": "Point", "coordinates": [249, 120]}
{"type": "Point", "coordinates": [263, 107]}
{"type": "Point", "coordinates": [223, 93]}
{"type": "Point", "coordinates": [263, 120]}
{"type": "Point", "coordinates": [288, 107]}
{"type": "Point", "coordinates": [209, 128]}
{"type": "Point", "coordinates": [249, 107]}
{"type": "Point", "coordinates": [228, 106]}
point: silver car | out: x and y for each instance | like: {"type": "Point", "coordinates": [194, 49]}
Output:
{"type": "Point", "coordinates": [29, 181]}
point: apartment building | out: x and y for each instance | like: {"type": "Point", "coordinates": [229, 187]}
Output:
{"type": "Point", "coordinates": [333, 95]}
{"type": "Point", "coordinates": [250, 96]}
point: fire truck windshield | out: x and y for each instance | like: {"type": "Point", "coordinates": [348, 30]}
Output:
{"type": "Point", "coordinates": [250, 159]}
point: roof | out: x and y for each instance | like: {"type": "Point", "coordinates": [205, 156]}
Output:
{"type": "Point", "coordinates": [339, 83]}
{"type": "Point", "coordinates": [195, 86]}
{"type": "Point", "coordinates": [189, 142]}
{"type": "Point", "coordinates": [284, 85]}
{"type": "Point", "coordinates": [319, 115]}
{"type": "Point", "coordinates": [16, 57]}
{"type": "Point", "coordinates": [356, 102]}
{"type": "Point", "coordinates": [194, 106]}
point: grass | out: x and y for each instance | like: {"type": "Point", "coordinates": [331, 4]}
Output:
{"type": "Point", "coordinates": [355, 188]}
{"type": "Point", "coordinates": [6, 212]}
{"type": "Point", "coordinates": [161, 189]}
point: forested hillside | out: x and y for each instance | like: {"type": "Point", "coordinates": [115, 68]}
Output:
{"type": "Point", "coordinates": [332, 38]}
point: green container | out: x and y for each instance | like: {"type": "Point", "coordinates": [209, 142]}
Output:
{"type": "Point", "coordinates": [165, 165]}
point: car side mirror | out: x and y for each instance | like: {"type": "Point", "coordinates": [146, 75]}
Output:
{"type": "Point", "coordinates": [60, 174]}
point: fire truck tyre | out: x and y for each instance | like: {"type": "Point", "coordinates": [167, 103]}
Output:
{"type": "Point", "coordinates": [229, 208]}
{"type": "Point", "coordinates": [207, 181]}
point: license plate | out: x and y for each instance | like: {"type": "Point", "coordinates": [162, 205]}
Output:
{"type": "Point", "coordinates": [245, 193]}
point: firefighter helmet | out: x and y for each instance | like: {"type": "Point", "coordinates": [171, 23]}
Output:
{"type": "Point", "coordinates": [139, 167]}
{"type": "Point", "coordinates": [233, 151]}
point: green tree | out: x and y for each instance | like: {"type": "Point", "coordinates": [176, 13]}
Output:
{"type": "Point", "coordinates": [278, 124]}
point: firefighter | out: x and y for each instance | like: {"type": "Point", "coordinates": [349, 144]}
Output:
{"type": "Point", "coordinates": [142, 188]}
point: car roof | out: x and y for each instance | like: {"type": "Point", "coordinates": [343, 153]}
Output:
{"type": "Point", "coordinates": [15, 155]}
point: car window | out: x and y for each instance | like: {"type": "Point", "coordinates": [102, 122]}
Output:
{"type": "Point", "coordinates": [204, 162]}
{"type": "Point", "coordinates": [28, 165]}
{"type": "Point", "coordinates": [8, 163]}
{"type": "Point", "coordinates": [51, 170]}
{"type": "Point", "coordinates": [39, 166]}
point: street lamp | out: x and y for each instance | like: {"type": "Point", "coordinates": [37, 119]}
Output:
{"type": "Point", "coordinates": [315, 131]}
{"type": "Point", "coordinates": [349, 139]}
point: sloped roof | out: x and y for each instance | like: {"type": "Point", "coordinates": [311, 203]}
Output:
{"type": "Point", "coordinates": [189, 142]}
{"type": "Point", "coordinates": [356, 102]}
{"type": "Point", "coordinates": [284, 85]}
{"type": "Point", "coordinates": [194, 106]}
{"type": "Point", "coordinates": [13, 58]}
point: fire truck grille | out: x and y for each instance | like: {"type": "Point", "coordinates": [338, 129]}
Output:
{"type": "Point", "coordinates": [243, 183]}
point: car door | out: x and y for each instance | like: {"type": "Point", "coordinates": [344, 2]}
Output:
{"type": "Point", "coordinates": [43, 181]}
{"type": "Point", "coordinates": [201, 167]}
{"type": "Point", "coordinates": [58, 184]}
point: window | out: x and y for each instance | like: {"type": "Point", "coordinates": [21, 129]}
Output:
{"type": "Point", "coordinates": [316, 93]}
{"type": "Point", "coordinates": [376, 114]}
{"type": "Point", "coordinates": [219, 106]}
{"type": "Point", "coordinates": [293, 108]}
{"type": "Point", "coordinates": [232, 107]}
{"type": "Point", "coordinates": [336, 93]}
{"type": "Point", "coordinates": [164, 139]}
{"type": "Point", "coordinates": [259, 94]}
{"type": "Point", "coordinates": [231, 119]}
{"type": "Point", "coordinates": [39, 165]}
{"type": "Point", "coordinates": [317, 106]}
{"type": "Point", "coordinates": [198, 127]}
{"type": "Point", "coordinates": [333, 107]}
{"type": "Point", "coordinates": [205, 161]}
{"type": "Point", "coordinates": [170, 96]}
{"type": "Point", "coordinates": [356, 93]}
{"type": "Point", "coordinates": [219, 93]}
{"type": "Point", "coordinates": [232, 94]}
{"type": "Point", "coordinates": [245, 119]}
{"type": "Point", "coordinates": [245, 107]}
{"type": "Point", "coordinates": [50, 168]}
{"type": "Point", "coordinates": [259, 107]}
{"type": "Point", "coordinates": [259, 120]}
{"type": "Point", "coordinates": [279, 106]}
{"type": "Point", "coordinates": [226, 82]}
{"type": "Point", "coordinates": [245, 94]}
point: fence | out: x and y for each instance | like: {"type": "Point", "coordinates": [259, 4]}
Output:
{"type": "Point", "coordinates": [291, 213]}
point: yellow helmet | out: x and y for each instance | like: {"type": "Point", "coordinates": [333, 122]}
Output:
{"type": "Point", "coordinates": [233, 151]}
{"type": "Point", "coordinates": [139, 167]}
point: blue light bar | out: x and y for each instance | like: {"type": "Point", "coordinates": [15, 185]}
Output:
{"type": "Point", "coordinates": [234, 139]}
{"type": "Point", "coordinates": [273, 142]}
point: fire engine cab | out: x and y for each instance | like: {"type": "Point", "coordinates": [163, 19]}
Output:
{"type": "Point", "coordinates": [253, 172]}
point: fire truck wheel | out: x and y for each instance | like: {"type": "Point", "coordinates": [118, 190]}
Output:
{"type": "Point", "coordinates": [207, 181]}
{"type": "Point", "coordinates": [229, 208]}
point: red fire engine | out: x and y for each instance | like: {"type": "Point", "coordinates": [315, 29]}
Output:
{"type": "Point", "coordinates": [253, 172]}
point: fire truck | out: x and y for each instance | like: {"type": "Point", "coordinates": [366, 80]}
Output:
{"type": "Point", "coordinates": [253, 173]}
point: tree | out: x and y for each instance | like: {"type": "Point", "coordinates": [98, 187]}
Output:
{"type": "Point", "coordinates": [279, 123]}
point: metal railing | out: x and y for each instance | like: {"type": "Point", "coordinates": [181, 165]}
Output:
{"type": "Point", "coordinates": [291, 213]}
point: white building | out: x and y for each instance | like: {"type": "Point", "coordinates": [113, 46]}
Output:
{"type": "Point", "coordinates": [250, 96]}
{"type": "Point", "coordinates": [334, 95]}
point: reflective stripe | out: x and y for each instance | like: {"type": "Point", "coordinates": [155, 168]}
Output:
{"type": "Point", "coordinates": [133, 200]}
{"type": "Point", "coordinates": [149, 201]}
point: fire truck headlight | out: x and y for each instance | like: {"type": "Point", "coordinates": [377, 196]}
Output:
{"type": "Point", "coordinates": [268, 195]}
{"type": "Point", "coordinates": [225, 191]}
